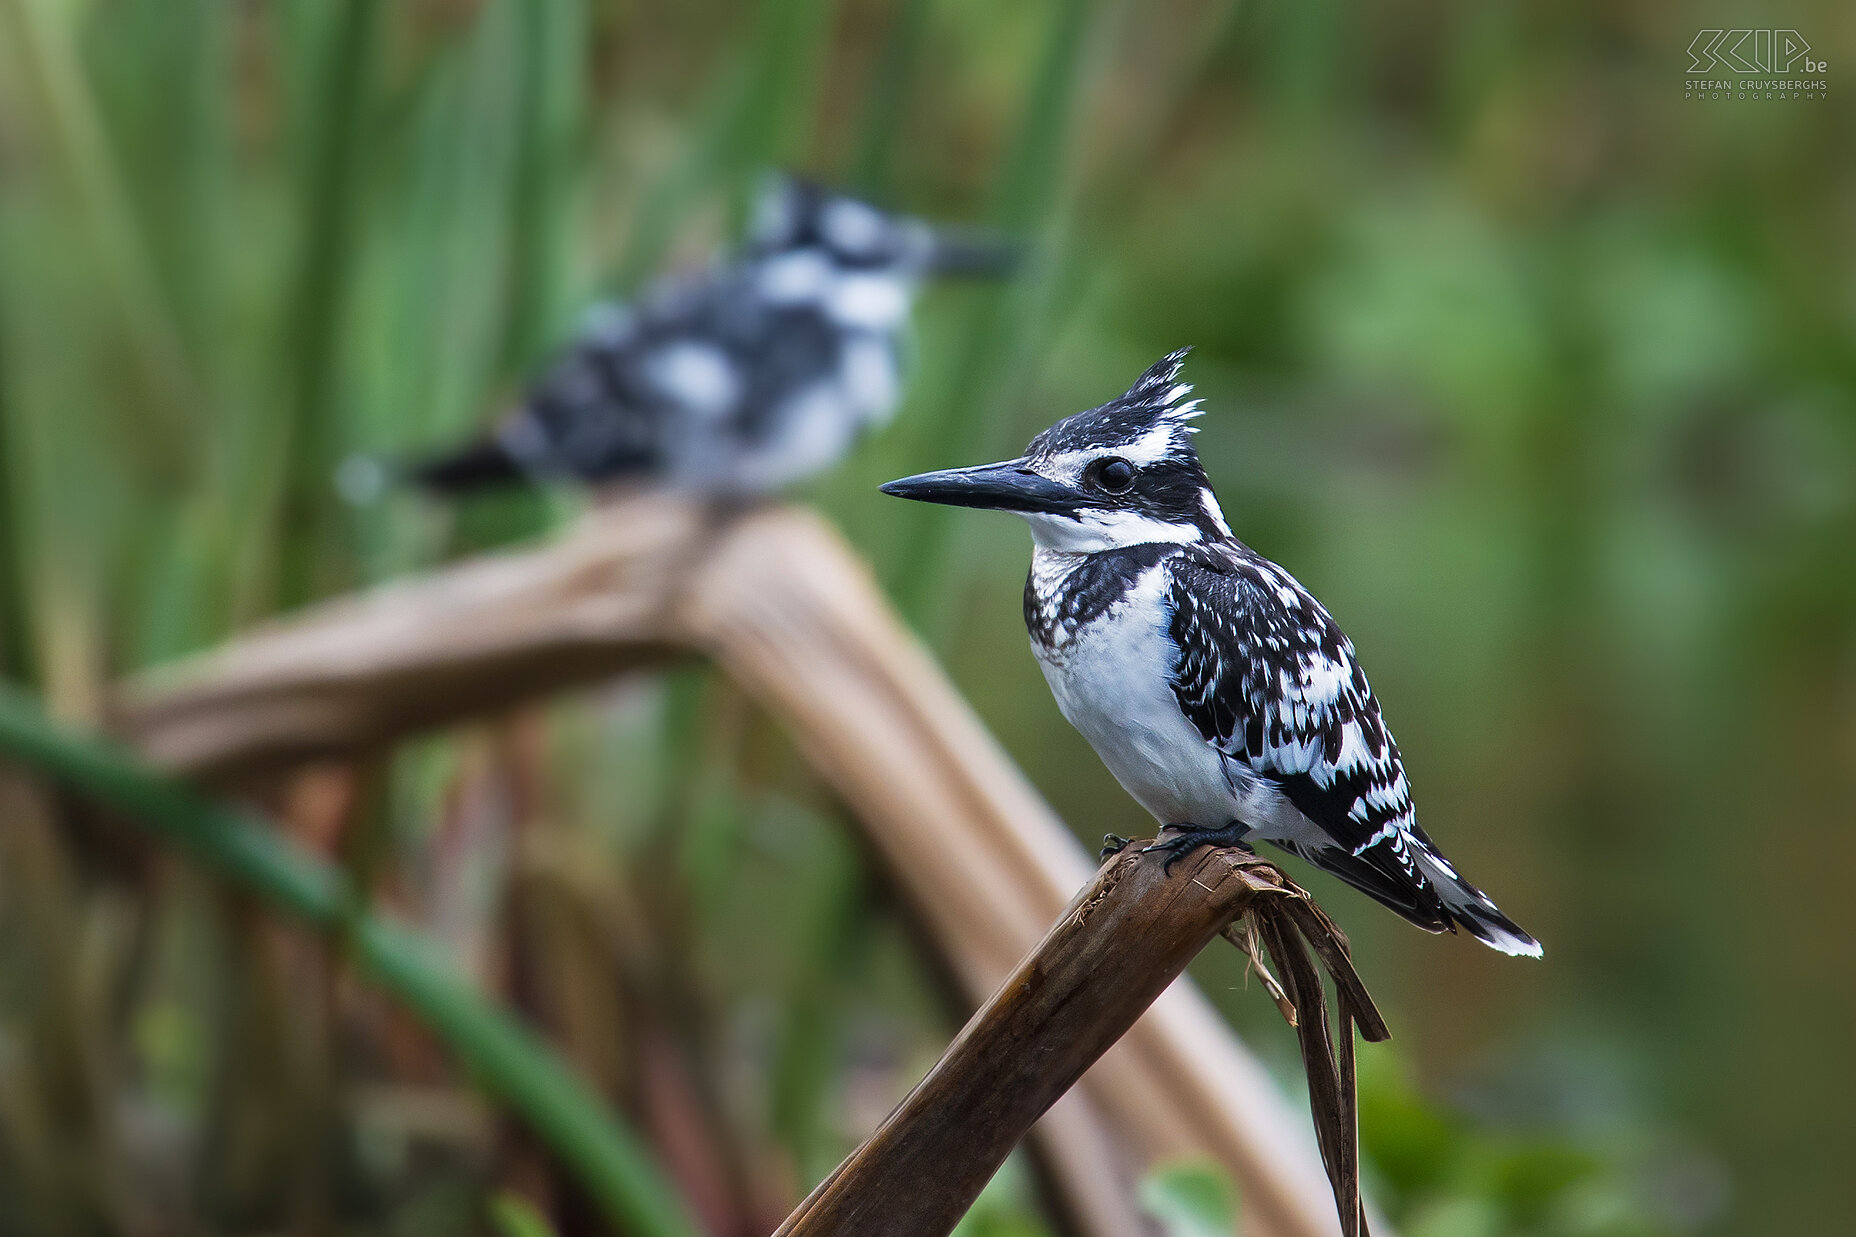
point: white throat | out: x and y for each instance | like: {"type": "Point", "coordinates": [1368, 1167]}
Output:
{"type": "Point", "coordinates": [1092, 532]}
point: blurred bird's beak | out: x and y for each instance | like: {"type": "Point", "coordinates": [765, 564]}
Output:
{"type": "Point", "coordinates": [972, 252]}
{"type": "Point", "coordinates": [1007, 486]}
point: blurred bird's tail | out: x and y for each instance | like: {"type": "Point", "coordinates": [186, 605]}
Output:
{"type": "Point", "coordinates": [364, 479]}
{"type": "Point", "coordinates": [483, 464]}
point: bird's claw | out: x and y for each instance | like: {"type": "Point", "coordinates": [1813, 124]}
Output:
{"type": "Point", "coordinates": [1190, 839]}
{"type": "Point", "coordinates": [1112, 844]}
{"type": "Point", "coordinates": [1174, 849]}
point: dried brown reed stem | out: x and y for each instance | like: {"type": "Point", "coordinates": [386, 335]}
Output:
{"type": "Point", "coordinates": [787, 609]}
{"type": "Point", "coordinates": [1114, 950]}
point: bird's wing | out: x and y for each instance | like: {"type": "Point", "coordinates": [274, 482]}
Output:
{"type": "Point", "coordinates": [1269, 679]}
{"type": "Point", "coordinates": [589, 415]}
{"type": "Point", "coordinates": [611, 401]}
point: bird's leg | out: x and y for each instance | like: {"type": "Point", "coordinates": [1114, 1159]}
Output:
{"type": "Point", "coordinates": [1191, 838]}
{"type": "Point", "coordinates": [1112, 844]}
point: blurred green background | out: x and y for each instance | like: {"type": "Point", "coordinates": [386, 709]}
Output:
{"type": "Point", "coordinates": [1537, 372]}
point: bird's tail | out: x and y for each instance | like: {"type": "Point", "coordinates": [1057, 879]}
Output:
{"type": "Point", "coordinates": [1468, 906]}
{"type": "Point", "coordinates": [364, 479]}
{"type": "Point", "coordinates": [1423, 887]}
{"type": "Point", "coordinates": [483, 464]}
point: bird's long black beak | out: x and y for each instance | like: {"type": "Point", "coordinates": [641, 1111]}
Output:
{"type": "Point", "coordinates": [972, 252]}
{"type": "Point", "coordinates": [1007, 486]}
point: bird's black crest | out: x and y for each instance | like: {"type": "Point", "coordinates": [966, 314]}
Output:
{"type": "Point", "coordinates": [1150, 427]}
{"type": "Point", "coordinates": [1161, 374]}
{"type": "Point", "coordinates": [1158, 397]}
{"type": "Point", "coordinates": [793, 213]}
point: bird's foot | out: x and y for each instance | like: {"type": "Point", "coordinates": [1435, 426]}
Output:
{"type": "Point", "coordinates": [1191, 838]}
{"type": "Point", "coordinates": [1112, 844]}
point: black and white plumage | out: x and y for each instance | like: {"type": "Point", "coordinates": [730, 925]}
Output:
{"type": "Point", "coordinates": [1218, 691]}
{"type": "Point", "coordinates": [753, 375]}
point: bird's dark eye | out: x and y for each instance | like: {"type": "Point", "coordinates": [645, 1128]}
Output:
{"type": "Point", "coordinates": [1114, 474]}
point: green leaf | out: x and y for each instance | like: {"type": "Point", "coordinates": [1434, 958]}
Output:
{"type": "Point", "coordinates": [515, 1216]}
{"type": "Point", "coordinates": [1191, 1200]}
{"type": "Point", "coordinates": [506, 1057]}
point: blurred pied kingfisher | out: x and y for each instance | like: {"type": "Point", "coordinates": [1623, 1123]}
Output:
{"type": "Point", "coordinates": [735, 382]}
{"type": "Point", "coordinates": [1217, 690]}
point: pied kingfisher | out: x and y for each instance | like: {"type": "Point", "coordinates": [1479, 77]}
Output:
{"type": "Point", "coordinates": [1215, 688]}
{"type": "Point", "coordinates": [755, 374]}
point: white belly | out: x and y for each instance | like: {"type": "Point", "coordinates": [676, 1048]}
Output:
{"type": "Point", "coordinates": [1112, 682]}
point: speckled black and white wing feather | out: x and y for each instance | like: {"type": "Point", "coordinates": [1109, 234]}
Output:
{"type": "Point", "coordinates": [741, 379]}
{"type": "Point", "coordinates": [1268, 678]}
{"type": "Point", "coordinates": [707, 383]}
